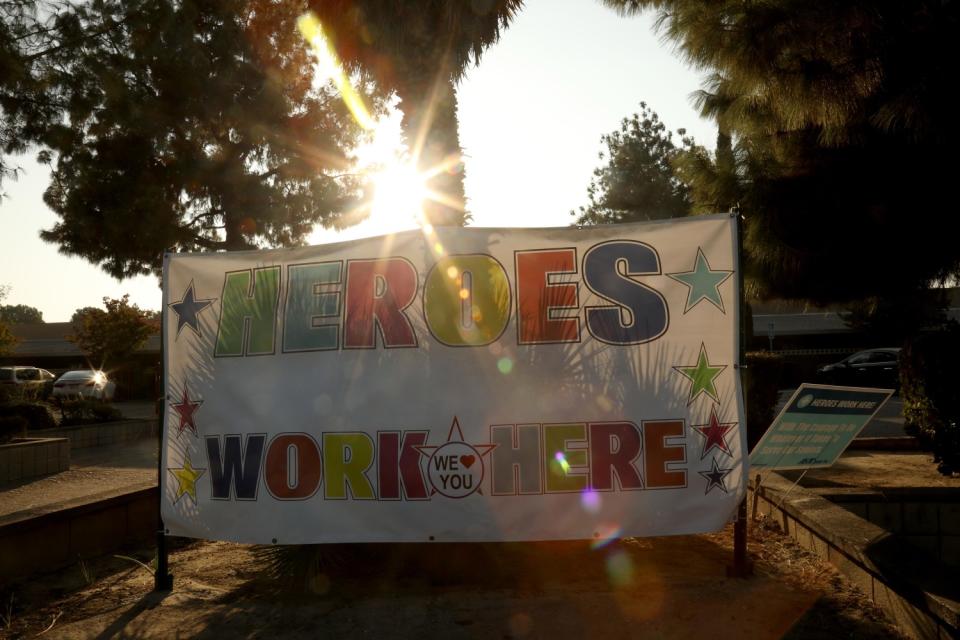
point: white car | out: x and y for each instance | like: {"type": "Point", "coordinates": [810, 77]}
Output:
{"type": "Point", "coordinates": [85, 384]}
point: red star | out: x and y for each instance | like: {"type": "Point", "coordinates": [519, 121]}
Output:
{"type": "Point", "coordinates": [714, 434]}
{"type": "Point", "coordinates": [185, 409]}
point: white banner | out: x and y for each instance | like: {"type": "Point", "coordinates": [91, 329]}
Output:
{"type": "Point", "coordinates": [456, 385]}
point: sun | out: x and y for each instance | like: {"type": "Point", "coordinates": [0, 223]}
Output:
{"type": "Point", "coordinates": [399, 192]}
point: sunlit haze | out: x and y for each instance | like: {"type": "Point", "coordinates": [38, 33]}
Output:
{"type": "Point", "coordinates": [531, 116]}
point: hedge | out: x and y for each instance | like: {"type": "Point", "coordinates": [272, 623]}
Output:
{"type": "Point", "coordinates": [929, 381]}
{"type": "Point", "coordinates": [37, 415]}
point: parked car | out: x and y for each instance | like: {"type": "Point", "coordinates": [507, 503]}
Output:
{"type": "Point", "coordinates": [25, 378]}
{"type": "Point", "coordinates": [871, 368]}
{"type": "Point", "coordinates": [87, 383]}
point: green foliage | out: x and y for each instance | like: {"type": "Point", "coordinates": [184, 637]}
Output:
{"type": "Point", "coordinates": [20, 314]}
{"type": "Point", "coordinates": [928, 385]}
{"type": "Point", "coordinates": [12, 427]}
{"type": "Point", "coordinates": [7, 340]}
{"type": "Point", "coordinates": [189, 124]}
{"type": "Point", "coordinates": [420, 50]}
{"type": "Point", "coordinates": [76, 411]}
{"type": "Point", "coordinates": [109, 336]}
{"type": "Point", "coordinates": [638, 180]}
{"type": "Point", "coordinates": [37, 415]}
{"type": "Point", "coordinates": [30, 392]}
{"type": "Point", "coordinates": [842, 136]}
{"type": "Point", "coordinates": [761, 386]}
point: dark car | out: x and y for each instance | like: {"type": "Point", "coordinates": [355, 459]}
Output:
{"type": "Point", "coordinates": [871, 368]}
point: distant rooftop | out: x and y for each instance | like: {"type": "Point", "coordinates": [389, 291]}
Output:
{"type": "Point", "coordinates": [50, 340]}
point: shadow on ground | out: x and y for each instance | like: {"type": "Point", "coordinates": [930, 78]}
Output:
{"type": "Point", "coordinates": [663, 587]}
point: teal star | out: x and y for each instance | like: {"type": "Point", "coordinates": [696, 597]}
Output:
{"type": "Point", "coordinates": [703, 283]}
{"type": "Point", "coordinates": [702, 376]}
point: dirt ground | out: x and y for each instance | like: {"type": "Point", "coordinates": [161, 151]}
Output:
{"type": "Point", "coordinates": [658, 587]}
{"type": "Point", "coordinates": [877, 470]}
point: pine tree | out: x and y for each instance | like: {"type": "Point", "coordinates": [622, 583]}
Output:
{"type": "Point", "coordinates": [638, 181]}
{"type": "Point", "coordinates": [841, 136]}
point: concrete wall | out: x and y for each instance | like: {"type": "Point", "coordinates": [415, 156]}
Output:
{"type": "Point", "coordinates": [920, 595]}
{"type": "Point", "coordinates": [61, 535]}
{"type": "Point", "coordinates": [929, 519]}
{"type": "Point", "coordinates": [95, 435]}
{"type": "Point", "coordinates": [26, 458]}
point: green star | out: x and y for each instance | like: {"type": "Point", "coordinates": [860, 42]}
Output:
{"type": "Point", "coordinates": [703, 283]}
{"type": "Point", "coordinates": [702, 376]}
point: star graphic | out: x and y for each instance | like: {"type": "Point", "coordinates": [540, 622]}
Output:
{"type": "Point", "coordinates": [702, 376]}
{"type": "Point", "coordinates": [715, 477]}
{"type": "Point", "coordinates": [188, 308]}
{"type": "Point", "coordinates": [482, 449]}
{"type": "Point", "coordinates": [186, 480]}
{"type": "Point", "coordinates": [185, 409]}
{"type": "Point", "coordinates": [703, 283]}
{"type": "Point", "coordinates": [714, 434]}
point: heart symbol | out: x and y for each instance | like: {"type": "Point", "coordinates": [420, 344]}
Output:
{"type": "Point", "coordinates": [467, 461]}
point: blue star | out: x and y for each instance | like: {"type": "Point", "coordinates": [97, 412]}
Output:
{"type": "Point", "coordinates": [715, 477]}
{"type": "Point", "coordinates": [703, 283]}
{"type": "Point", "coordinates": [187, 310]}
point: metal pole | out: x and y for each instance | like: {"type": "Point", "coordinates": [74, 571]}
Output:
{"type": "Point", "coordinates": [162, 578]}
{"type": "Point", "coordinates": [742, 565]}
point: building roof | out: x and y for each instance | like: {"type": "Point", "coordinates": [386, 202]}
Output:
{"type": "Point", "coordinates": [50, 340]}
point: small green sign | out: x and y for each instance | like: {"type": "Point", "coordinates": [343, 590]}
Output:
{"type": "Point", "coordinates": [816, 425]}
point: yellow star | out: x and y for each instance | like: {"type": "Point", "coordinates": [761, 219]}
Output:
{"type": "Point", "coordinates": [186, 479]}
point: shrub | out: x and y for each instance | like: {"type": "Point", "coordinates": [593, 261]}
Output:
{"type": "Point", "coordinates": [12, 427]}
{"type": "Point", "coordinates": [761, 386]}
{"type": "Point", "coordinates": [84, 411]}
{"type": "Point", "coordinates": [928, 383]}
{"type": "Point", "coordinates": [37, 415]}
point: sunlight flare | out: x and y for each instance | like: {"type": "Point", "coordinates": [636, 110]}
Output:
{"type": "Point", "coordinates": [328, 66]}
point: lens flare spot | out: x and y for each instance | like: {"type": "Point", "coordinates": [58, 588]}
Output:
{"type": "Point", "coordinates": [452, 272]}
{"type": "Point", "coordinates": [438, 248]}
{"type": "Point", "coordinates": [428, 228]}
{"type": "Point", "coordinates": [562, 461]}
{"type": "Point", "coordinates": [604, 535]}
{"type": "Point", "coordinates": [505, 364]}
{"type": "Point", "coordinates": [619, 568]}
{"type": "Point", "coordinates": [464, 294]}
{"type": "Point", "coordinates": [520, 625]}
{"type": "Point", "coordinates": [590, 501]}
{"type": "Point", "coordinates": [604, 403]}
{"type": "Point", "coordinates": [477, 316]}
{"type": "Point", "coordinates": [328, 66]}
{"type": "Point", "coordinates": [319, 584]}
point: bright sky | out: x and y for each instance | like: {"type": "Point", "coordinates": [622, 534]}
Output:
{"type": "Point", "coordinates": [531, 116]}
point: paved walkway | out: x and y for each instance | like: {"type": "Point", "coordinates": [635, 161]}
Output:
{"type": "Point", "coordinates": [93, 471]}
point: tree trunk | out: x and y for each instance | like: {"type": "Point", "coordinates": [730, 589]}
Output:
{"type": "Point", "coordinates": [429, 127]}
